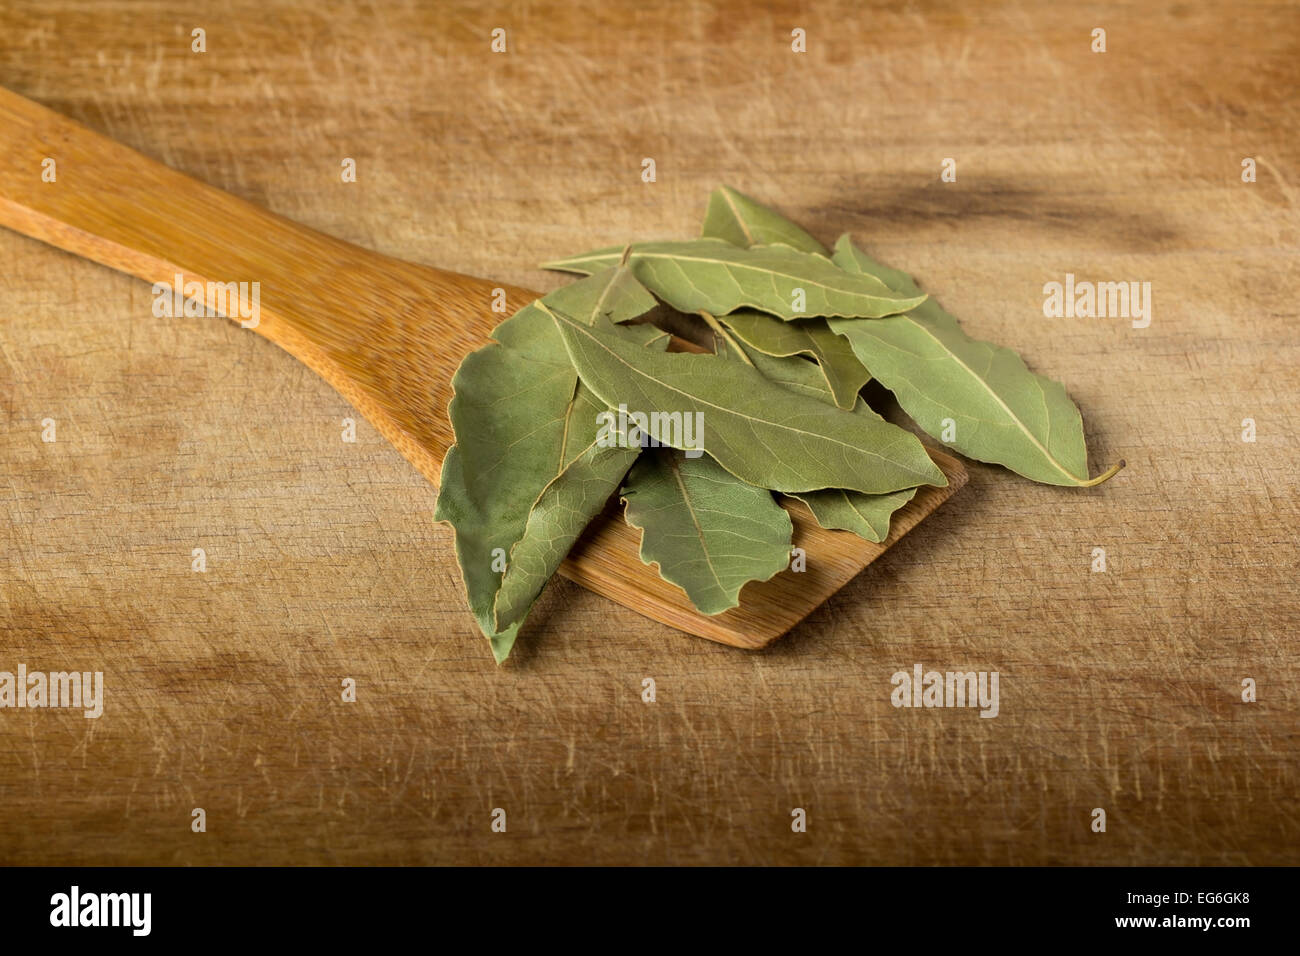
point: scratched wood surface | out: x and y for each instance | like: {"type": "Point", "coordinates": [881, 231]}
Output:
{"type": "Point", "coordinates": [1119, 690]}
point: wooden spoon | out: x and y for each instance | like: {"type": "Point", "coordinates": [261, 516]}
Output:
{"type": "Point", "coordinates": [386, 334]}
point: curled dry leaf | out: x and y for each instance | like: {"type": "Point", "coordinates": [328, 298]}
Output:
{"type": "Point", "coordinates": [999, 410]}
{"type": "Point", "coordinates": [714, 276]}
{"type": "Point", "coordinates": [521, 418]}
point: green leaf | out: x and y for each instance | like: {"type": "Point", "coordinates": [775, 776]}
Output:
{"type": "Point", "coordinates": [621, 298]}
{"type": "Point", "coordinates": [735, 218]}
{"type": "Point", "coordinates": [714, 276]}
{"type": "Point", "coordinates": [521, 417]}
{"type": "Point", "coordinates": [998, 410]}
{"type": "Point", "coordinates": [844, 374]}
{"type": "Point", "coordinates": [480, 528]}
{"type": "Point", "coordinates": [867, 516]}
{"type": "Point", "coordinates": [709, 532]}
{"type": "Point", "coordinates": [760, 432]}
{"type": "Point", "coordinates": [564, 508]}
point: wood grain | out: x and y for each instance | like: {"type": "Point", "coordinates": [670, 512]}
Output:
{"type": "Point", "coordinates": [1119, 690]}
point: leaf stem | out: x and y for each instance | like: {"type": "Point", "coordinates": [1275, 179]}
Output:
{"type": "Point", "coordinates": [1106, 475]}
{"type": "Point", "coordinates": [723, 334]}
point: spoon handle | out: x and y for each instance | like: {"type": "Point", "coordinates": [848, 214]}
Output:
{"type": "Point", "coordinates": [73, 188]}
{"type": "Point", "coordinates": [387, 334]}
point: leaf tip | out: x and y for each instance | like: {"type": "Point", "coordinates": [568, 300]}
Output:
{"type": "Point", "coordinates": [501, 646]}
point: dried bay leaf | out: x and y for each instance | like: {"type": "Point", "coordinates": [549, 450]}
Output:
{"type": "Point", "coordinates": [480, 529]}
{"type": "Point", "coordinates": [709, 532]}
{"type": "Point", "coordinates": [564, 508]}
{"type": "Point", "coordinates": [836, 509]}
{"type": "Point", "coordinates": [742, 221]}
{"type": "Point", "coordinates": [736, 218]}
{"type": "Point", "coordinates": [521, 417]}
{"type": "Point", "coordinates": [1001, 412]}
{"type": "Point", "coordinates": [762, 433]}
{"type": "Point", "coordinates": [867, 516]}
{"type": "Point", "coordinates": [485, 491]}
{"type": "Point", "coordinates": [617, 298]}
{"type": "Point", "coordinates": [714, 276]}
{"type": "Point", "coordinates": [845, 374]}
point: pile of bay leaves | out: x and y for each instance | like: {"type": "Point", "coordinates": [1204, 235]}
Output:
{"type": "Point", "coordinates": [578, 398]}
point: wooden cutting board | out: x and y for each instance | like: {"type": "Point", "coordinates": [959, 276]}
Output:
{"type": "Point", "coordinates": [1119, 689]}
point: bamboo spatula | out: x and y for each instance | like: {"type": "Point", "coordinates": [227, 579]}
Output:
{"type": "Point", "coordinates": [386, 334]}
